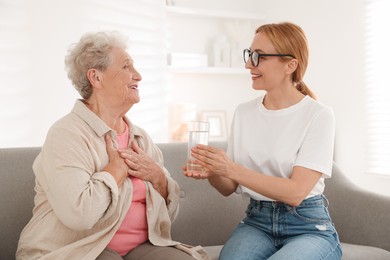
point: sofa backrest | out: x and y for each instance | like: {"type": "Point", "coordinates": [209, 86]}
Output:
{"type": "Point", "coordinates": [17, 183]}
{"type": "Point", "coordinates": [205, 217]}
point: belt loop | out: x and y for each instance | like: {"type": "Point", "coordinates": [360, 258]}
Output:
{"type": "Point", "coordinates": [255, 203]}
{"type": "Point", "coordinates": [325, 200]}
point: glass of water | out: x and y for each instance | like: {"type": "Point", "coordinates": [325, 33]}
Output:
{"type": "Point", "coordinates": [198, 133]}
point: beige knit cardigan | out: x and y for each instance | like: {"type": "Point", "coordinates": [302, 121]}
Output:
{"type": "Point", "coordinates": [78, 206]}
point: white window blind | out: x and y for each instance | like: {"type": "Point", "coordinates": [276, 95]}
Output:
{"type": "Point", "coordinates": [378, 87]}
{"type": "Point", "coordinates": [34, 89]}
{"type": "Point", "coordinates": [143, 21]}
{"type": "Point", "coordinates": [14, 47]}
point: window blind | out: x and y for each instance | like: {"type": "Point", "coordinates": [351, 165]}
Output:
{"type": "Point", "coordinates": [143, 22]}
{"type": "Point", "coordinates": [14, 46]}
{"type": "Point", "coordinates": [377, 87]}
{"type": "Point", "coordinates": [35, 90]}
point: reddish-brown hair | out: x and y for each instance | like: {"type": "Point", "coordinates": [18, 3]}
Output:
{"type": "Point", "coordinates": [289, 38]}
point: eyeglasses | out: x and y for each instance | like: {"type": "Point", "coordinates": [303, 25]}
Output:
{"type": "Point", "coordinates": [255, 56]}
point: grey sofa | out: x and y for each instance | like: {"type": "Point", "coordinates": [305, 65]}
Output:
{"type": "Point", "coordinates": [206, 218]}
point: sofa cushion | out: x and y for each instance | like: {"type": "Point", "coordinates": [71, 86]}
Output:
{"type": "Point", "coordinates": [213, 251]}
{"type": "Point", "coordinates": [357, 252]}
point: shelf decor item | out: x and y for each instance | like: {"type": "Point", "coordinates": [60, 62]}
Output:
{"type": "Point", "coordinates": [218, 124]}
{"type": "Point", "coordinates": [221, 51]}
{"type": "Point", "coordinates": [240, 34]}
{"type": "Point", "coordinates": [223, 34]}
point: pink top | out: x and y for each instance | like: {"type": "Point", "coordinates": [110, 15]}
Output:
{"type": "Point", "coordinates": [134, 229]}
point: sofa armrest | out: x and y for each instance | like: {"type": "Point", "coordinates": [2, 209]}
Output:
{"type": "Point", "coordinates": [361, 217]}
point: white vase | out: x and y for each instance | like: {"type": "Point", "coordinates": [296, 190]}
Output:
{"type": "Point", "coordinates": [221, 52]}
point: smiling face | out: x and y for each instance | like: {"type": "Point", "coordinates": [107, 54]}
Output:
{"type": "Point", "coordinates": [271, 72]}
{"type": "Point", "coordinates": [119, 82]}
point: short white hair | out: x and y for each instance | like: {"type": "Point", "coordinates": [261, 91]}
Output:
{"type": "Point", "coordinates": [92, 51]}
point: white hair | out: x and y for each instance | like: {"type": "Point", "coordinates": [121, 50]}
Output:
{"type": "Point", "coordinates": [92, 51]}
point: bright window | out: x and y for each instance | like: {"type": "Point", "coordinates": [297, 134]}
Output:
{"type": "Point", "coordinates": [378, 87]}
{"type": "Point", "coordinates": [34, 89]}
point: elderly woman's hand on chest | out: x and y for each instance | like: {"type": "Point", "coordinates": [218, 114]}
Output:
{"type": "Point", "coordinates": [141, 166]}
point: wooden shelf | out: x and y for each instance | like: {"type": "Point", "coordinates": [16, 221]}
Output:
{"type": "Point", "coordinates": [220, 17]}
{"type": "Point", "coordinates": [214, 13]}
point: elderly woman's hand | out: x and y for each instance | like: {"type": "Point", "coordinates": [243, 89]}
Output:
{"type": "Point", "coordinates": [145, 168]}
{"type": "Point", "coordinates": [116, 166]}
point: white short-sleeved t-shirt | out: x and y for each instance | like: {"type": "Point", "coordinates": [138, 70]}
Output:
{"type": "Point", "coordinates": [272, 142]}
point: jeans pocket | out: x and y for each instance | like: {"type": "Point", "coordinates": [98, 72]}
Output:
{"type": "Point", "coordinates": [314, 217]}
{"type": "Point", "coordinates": [311, 214]}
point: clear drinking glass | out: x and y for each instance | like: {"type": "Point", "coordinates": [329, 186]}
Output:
{"type": "Point", "coordinates": [198, 133]}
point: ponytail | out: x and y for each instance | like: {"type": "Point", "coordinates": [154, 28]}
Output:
{"type": "Point", "coordinates": [305, 90]}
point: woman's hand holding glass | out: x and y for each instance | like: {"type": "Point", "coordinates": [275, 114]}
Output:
{"type": "Point", "coordinates": [213, 160]}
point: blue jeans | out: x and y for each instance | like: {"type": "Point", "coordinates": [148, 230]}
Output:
{"type": "Point", "coordinates": [274, 230]}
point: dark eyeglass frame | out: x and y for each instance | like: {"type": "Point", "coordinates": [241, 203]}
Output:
{"type": "Point", "coordinates": [256, 63]}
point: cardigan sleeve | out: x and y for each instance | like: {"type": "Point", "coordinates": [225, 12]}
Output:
{"type": "Point", "coordinates": [69, 170]}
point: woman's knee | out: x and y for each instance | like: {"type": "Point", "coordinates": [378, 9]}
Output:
{"type": "Point", "coordinates": [247, 243]}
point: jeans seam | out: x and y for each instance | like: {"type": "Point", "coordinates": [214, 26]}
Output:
{"type": "Point", "coordinates": [333, 250]}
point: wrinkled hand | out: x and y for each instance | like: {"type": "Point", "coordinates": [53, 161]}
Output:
{"type": "Point", "coordinates": [140, 164]}
{"type": "Point", "coordinates": [145, 168]}
{"type": "Point", "coordinates": [116, 166]}
{"type": "Point", "coordinates": [214, 161]}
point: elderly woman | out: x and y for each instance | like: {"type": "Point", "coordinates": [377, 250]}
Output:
{"type": "Point", "coordinates": [102, 191]}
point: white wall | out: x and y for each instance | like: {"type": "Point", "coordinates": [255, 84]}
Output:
{"type": "Point", "coordinates": [335, 31]}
